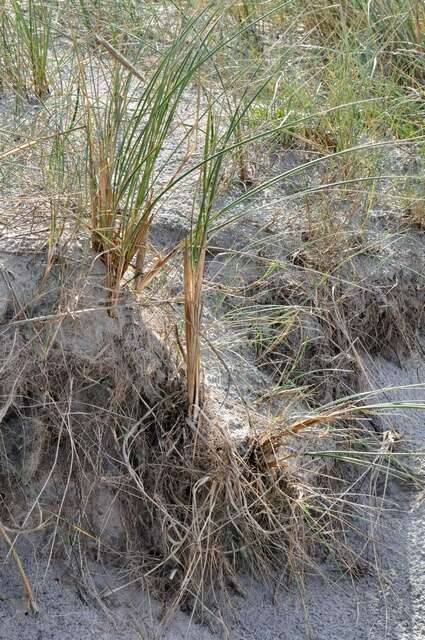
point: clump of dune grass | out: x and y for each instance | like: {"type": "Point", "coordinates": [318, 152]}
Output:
{"type": "Point", "coordinates": [25, 40]}
{"type": "Point", "coordinates": [390, 32]}
{"type": "Point", "coordinates": [199, 504]}
{"type": "Point", "coordinates": [366, 55]}
{"type": "Point", "coordinates": [124, 146]}
{"type": "Point", "coordinates": [126, 133]}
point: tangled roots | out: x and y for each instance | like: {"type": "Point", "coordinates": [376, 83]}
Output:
{"type": "Point", "coordinates": [97, 449]}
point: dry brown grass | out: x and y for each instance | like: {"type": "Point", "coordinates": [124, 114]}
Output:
{"type": "Point", "coordinates": [196, 505]}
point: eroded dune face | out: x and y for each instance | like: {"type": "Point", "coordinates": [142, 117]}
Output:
{"type": "Point", "coordinates": [73, 379]}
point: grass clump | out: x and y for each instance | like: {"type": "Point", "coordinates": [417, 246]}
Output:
{"type": "Point", "coordinates": [390, 34]}
{"type": "Point", "coordinates": [24, 47]}
{"type": "Point", "coordinates": [125, 143]}
{"type": "Point", "coordinates": [133, 119]}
